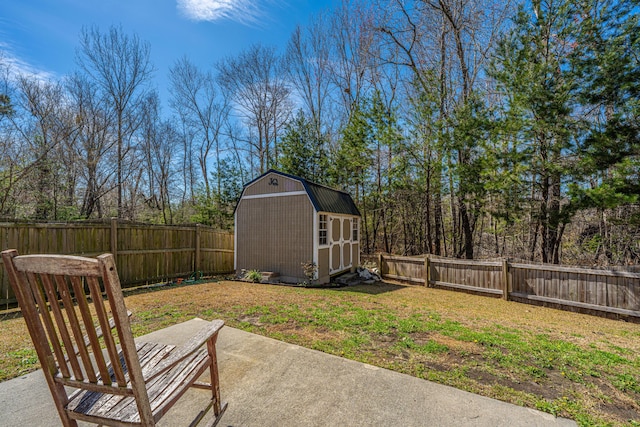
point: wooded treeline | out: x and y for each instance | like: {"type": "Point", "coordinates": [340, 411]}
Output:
{"type": "Point", "coordinates": [464, 128]}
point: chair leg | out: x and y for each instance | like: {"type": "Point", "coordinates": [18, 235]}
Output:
{"type": "Point", "coordinates": [60, 400]}
{"type": "Point", "coordinates": [215, 379]}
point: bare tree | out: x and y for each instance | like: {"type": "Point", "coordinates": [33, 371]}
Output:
{"type": "Point", "coordinates": [163, 150]}
{"type": "Point", "coordinates": [449, 39]}
{"type": "Point", "coordinates": [96, 159]}
{"type": "Point", "coordinates": [120, 65]}
{"type": "Point", "coordinates": [203, 111]}
{"type": "Point", "coordinates": [308, 60]}
{"type": "Point", "coordinates": [6, 108]}
{"type": "Point", "coordinates": [9, 144]}
{"type": "Point", "coordinates": [187, 163]}
{"type": "Point", "coordinates": [352, 64]}
{"type": "Point", "coordinates": [260, 93]}
{"type": "Point", "coordinates": [45, 126]}
{"type": "Point", "coordinates": [159, 141]}
{"type": "Point", "coordinates": [412, 40]}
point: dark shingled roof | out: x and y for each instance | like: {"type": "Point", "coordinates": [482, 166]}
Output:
{"type": "Point", "coordinates": [323, 198]}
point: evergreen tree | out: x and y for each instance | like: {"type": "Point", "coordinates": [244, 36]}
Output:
{"type": "Point", "coordinates": [302, 152]}
{"type": "Point", "coordinates": [606, 59]}
{"type": "Point", "coordinates": [217, 210]}
{"type": "Point", "coordinates": [424, 149]}
{"type": "Point", "coordinates": [364, 165]}
{"type": "Point", "coordinates": [469, 131]}
{"type": "Point", "coordinates": [352, 161]}
{"type": "Point", "coordinates": [533, 73]}
{"type": "Point", "coordinates": [350, 167]}
{"type": "Point", "coordinates": [6, 108]}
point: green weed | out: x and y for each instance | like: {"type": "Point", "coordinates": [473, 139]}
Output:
{"type": "Point", "coordinates": [626, 382]}
{"type": "Point", "coordinates": [25, 357]}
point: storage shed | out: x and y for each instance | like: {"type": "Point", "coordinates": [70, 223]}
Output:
{"type": "Point", "coordinates": [283, 221]}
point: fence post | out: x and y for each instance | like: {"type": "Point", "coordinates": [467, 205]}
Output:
{"type": "Point", "coordinates": [427, 271]}
{"type": "Point", "coordinates": [114, 238]}
{"type": "Point", "coordinates": [196, 263]}
{"type": "Point", "coordinates": [505, 279]}
{"type": "Point", "coordinates": [380, 263]}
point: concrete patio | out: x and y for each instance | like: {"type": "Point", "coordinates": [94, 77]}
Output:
{"type": "Point", "coordinates": [272, 383]}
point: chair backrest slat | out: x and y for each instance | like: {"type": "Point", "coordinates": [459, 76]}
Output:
{"type": "Point", "coordinates": [90, 328]}
{"type": "Point", "coordinates": [63, 332]}
{"type": "Point", "coordinates": [65, 294]}
{"type": "Point", "coordinates": [43, 308]}
{"type": "Point", "coordinates": [103, 319]}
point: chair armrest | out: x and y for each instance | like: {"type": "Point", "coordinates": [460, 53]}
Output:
{"type": "Point", "coordinates": [182, 352]}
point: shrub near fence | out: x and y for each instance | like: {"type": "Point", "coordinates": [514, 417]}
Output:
{"type": "Point", "coordinates": [603, 291]}
{"type": "Point", "coordinates": [144, 253]}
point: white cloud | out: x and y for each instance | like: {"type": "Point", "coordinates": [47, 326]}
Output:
{"type": "Point", "coordinates": [247, 12]}
{"type": "Point", "coordinates": [11, 66]}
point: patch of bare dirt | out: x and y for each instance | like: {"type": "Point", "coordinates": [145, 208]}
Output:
{"type": "Point", "coordinates": [487, 379]}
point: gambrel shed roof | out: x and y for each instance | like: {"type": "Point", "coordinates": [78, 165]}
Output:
{"type": "Point", "coordinates": [323, 198]}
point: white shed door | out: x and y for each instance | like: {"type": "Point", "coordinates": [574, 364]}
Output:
{"type": "Point", "coordinates": [339, 244]}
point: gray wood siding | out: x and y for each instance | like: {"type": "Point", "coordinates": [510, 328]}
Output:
{"type": "Point", "coordinates": [263, 186]}
{"type": "Point", "coordinates": [275, 234]}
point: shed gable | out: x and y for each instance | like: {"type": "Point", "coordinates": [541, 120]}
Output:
{"type": "Point", "coordinates": [323, 198]}
{"type": "Point", "coordinates": [271, 183]}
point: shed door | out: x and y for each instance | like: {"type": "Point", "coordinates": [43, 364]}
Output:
{"type": "Point", "coordinates": [339, 244]}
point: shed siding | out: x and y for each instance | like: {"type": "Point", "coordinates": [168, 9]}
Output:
{"type": "Point", "coordinates": [274, 234]}
{"type": "Point", "coordinates": [265, 185]}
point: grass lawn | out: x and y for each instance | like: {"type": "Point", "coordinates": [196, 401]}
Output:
{"type": "Point", "coordinates": [571, 365]}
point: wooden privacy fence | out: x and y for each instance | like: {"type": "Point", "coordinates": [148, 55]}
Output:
{"type": "Point", "coordinates": [605, 291]}
{"type": "Point", "coordinates": [144, 253]}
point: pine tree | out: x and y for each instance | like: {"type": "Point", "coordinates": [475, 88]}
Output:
{"type": "Point", "coordinates": [302, 153]}
{"type": "Point", "coordinates": [606, 59]}
{"type": "Point", "coordinates": [350, 166]}
{"type": "Point", "coordinates": [6, 108]}
{"type": "Point", "coordinates": [534, 76]}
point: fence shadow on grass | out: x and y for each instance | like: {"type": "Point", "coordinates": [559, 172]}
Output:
{"type": "Point", "coordinates": [374, 288]}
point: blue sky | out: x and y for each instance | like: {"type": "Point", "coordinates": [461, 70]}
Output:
{"type": "Point", "coordinates": [41, 36]}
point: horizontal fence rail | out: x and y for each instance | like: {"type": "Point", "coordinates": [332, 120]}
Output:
{"type": "Point", "coordinates": [612, 291]}
{"type": "Point", "coordinates": [144, 253]}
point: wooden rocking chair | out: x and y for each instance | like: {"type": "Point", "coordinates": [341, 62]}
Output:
{"type": "Point", "coordinates": [133, 386]}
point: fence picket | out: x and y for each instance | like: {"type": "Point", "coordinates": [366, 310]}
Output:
{"type": "Point", "coordinates": [144, 253]}
{"type": "Point", "coordinates": [606, 291]}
